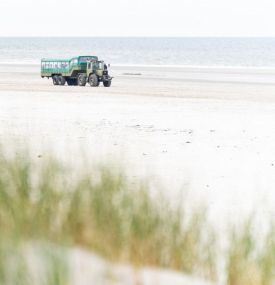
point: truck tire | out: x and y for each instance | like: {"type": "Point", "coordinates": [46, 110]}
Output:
{"type": "Point", "coordinates": [93, 80]}
{"type": "Point", "coordinates": [81, 80]}
{"type": "Point", "coordinates": [55, 80]}
{"type": "Point", "coordinates": [71, 81]}
{"type": "Point", "coordinates": [107, 83]}
{"type": "Point", "coordinates": [61, 80]}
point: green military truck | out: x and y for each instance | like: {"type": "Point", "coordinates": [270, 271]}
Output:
{"type": "Point", "coordinates": [76, 71]}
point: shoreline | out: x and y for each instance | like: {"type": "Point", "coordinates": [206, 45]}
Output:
{"type": "Point", "coordinates": [176, 66]}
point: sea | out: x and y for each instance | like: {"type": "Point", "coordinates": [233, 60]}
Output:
{"type": "Point", "coordinates": [216, 52]}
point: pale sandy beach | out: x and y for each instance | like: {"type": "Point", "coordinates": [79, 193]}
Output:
{"type": "Point", "coordinates": [210, 131]}
{"type": "Point", "coordinates": [161, 170]}
{"type": "Point", "coordinates": [207, 133]}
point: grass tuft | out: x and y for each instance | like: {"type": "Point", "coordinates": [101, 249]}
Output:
{"type": "Point", "coordinates": [250, 260]}
{"type": "Point", "coordinates": [42, 202]}
{"type": "Point", "coordinates": [102, 212]}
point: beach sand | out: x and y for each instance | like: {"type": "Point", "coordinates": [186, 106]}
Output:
{"type": "Point", "coordinates": [209, 131]}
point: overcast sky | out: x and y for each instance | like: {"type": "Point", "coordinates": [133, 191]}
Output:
{"type": "Point", "coordinates": [137, 18]}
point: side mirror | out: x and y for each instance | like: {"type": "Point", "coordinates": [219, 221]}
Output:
{"type": "Point", "coordinates": [109, 65]}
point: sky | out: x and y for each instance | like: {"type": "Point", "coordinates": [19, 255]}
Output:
{"type": "Point", "coordinates": [218, 18]}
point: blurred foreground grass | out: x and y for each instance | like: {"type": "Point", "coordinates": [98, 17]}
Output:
{"type": "Point", "coordinates": [103, 212]}
{"type": "Point", "coordinates": [100, 211]}
{"type": "Point", "coordinates": [251, 255]}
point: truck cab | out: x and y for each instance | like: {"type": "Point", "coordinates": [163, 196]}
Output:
{"type": "Point", "coordinates": [97, 71]}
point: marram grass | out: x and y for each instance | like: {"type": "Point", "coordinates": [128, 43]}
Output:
{"type": "Point", "coordinates": [41, 201]}
{"type": "Point", "coordinates": [103, 212]}
{"type": "Point", "coordinates": [251, 256]}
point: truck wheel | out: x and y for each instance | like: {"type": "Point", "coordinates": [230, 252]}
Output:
{"type": "Point", "coordinates": [81, 80]}
{"type": "Point", "coordinates": [107, 83]}
{"type": "Point", "coordinates": [61, 80]}
{"type": "Point", "coordinates": [71, 81]}
{"type": "Point", "coordinates": [93, 80]}
{"type": "Point", "coordinates": [55, 80]}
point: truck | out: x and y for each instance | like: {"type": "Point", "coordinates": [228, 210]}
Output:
{"type": "Point", "coordinates": [76, 71]}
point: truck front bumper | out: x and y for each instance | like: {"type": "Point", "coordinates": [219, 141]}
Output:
{"type": "Point", "coordinates": [107, 78]}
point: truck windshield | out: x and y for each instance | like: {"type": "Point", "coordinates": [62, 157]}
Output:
{"type": "Point", "coordinates": [101, 65]}
{"type": "Point", "coordinates": [83, 59]}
